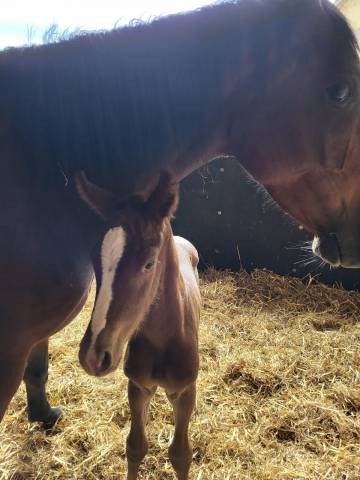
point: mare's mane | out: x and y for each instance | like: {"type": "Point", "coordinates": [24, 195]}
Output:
{"type": "Point", "coordinates": [107, 103]}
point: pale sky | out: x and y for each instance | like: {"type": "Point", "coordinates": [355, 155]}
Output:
{"type": "Point", "coordinates": [18, 16]}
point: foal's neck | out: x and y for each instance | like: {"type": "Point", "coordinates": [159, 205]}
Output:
{"type": "Point", "coordinates": [165, 318]}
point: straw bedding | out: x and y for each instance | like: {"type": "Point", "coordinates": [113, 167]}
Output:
{"type": "Point", "coordinates": [278, 394]}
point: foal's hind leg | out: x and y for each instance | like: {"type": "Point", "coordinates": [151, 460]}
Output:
{"type": "Point", "coordinates": [180, 452]}
{"type": "Point", "coordinates": [136, 443]}
{"type": "Point", "coordinates": [35, 378]}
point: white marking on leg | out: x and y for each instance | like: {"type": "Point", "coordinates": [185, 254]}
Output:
{"type": "Point", "coordinates": [112, 250]}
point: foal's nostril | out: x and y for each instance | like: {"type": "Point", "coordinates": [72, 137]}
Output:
{"type": "Point", "coordinates": [98, 363]}
{"type": "Point", "coordinates": [106, 363]}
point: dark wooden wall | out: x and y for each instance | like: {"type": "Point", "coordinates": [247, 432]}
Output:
{"type": "Point", "coordinates": [232, 225]}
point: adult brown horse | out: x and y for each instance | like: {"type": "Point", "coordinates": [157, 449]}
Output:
{"type": "Point", "coordinates": [274, 83]}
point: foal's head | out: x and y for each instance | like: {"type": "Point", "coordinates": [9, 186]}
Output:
{"type": "Point", "coordinates": [127, 264]}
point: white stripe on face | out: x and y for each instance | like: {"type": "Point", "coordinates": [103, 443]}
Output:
{"type": "Point", "coordinates": [112, 250]}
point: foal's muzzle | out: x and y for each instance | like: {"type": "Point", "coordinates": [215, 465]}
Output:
{"type": "Point", "coordinates": [98, 364]}
{"type": "Point", "coordinates": [95, 361]}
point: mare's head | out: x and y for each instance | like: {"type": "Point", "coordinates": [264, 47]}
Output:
{"type": "Point", "coordinates": [301, 104]}
{"type": "Point", "coordinates": [128, 265]}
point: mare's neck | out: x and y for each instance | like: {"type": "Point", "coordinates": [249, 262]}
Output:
{"type": "Point", "coordinates": [123, 105]}
{"type": "Point", "coordinates": [126, 104]}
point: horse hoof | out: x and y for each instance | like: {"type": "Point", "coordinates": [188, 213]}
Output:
{"type": "Point", "coordinates": [49, 420]}
{"type": "Point", "coordinates": [54, 415]}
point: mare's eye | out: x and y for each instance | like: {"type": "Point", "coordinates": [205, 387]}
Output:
{"type": "Point", "coordinates": [149, 265]}
{"type": "Point", "coordinates": [339, 93]}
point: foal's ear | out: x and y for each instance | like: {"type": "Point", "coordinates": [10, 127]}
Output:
{"type": "Point", "coordinates": [104, 203]}
{"type": "Point", "coordinates": [164, 200]}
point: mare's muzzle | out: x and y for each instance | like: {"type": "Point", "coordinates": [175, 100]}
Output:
{"type": "Point", "coordinates": [327, 247]}
{"type": "Point", "coordinates": [338, 250]}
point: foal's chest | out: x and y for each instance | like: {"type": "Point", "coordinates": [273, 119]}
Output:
{"type": "Point", "coordinates": [172, 366]}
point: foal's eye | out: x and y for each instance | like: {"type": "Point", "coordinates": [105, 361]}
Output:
{"type": "Point", "coordinates": [148, 266]}
{"type": "Point", "coordinates": [339, 93]}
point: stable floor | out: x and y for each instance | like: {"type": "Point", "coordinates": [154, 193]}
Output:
{"type": "Point", "coordinates": [278, 394]}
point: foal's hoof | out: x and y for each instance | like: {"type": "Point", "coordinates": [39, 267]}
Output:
{"type": "Point", "coordinates": [54, 415]}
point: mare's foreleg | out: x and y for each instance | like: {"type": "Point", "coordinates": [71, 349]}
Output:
{"type": "Point", "coordinates": [136, 443]}
{"type": "Point", "coordinates": [35, 378]}
{"type": "Point", "coordinates": [180, 451]}
{"type": "Point", "coordinates": [12, 366]}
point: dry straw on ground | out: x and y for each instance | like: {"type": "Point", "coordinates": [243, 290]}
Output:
{"type": "Point", "coordinates": [279, 394]}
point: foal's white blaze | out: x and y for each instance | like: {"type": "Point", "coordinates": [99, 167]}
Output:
{"type": "Point", "coordinates": [112, 250]}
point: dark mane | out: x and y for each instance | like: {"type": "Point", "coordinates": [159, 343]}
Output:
{"type": "Point", "coordinates": [138, 94]}
{"type": "Point", "coordinates": [341, 28]}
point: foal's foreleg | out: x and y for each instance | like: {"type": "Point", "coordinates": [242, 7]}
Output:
{"type": "Point", "coordinates": [136, 443]}
{"type": "Point", "coordinates": [35, 378]}
{"type": "Point", "coordinates": [180, 451]}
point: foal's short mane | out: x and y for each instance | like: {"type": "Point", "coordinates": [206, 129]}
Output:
{"type": "Point", "coordinates": [109, 103]}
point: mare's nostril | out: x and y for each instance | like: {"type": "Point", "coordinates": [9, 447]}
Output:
{"type": "Point", "coordinates": [328, 248]}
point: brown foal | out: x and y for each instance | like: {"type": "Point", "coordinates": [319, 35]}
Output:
{"type": "Point", "coordinates": [147, 297]}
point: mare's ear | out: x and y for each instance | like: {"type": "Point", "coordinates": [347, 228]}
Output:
{"type": "Point", "coordinates": [164, 200]}
{"type": "Point", "coordinates": [104, 203]}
